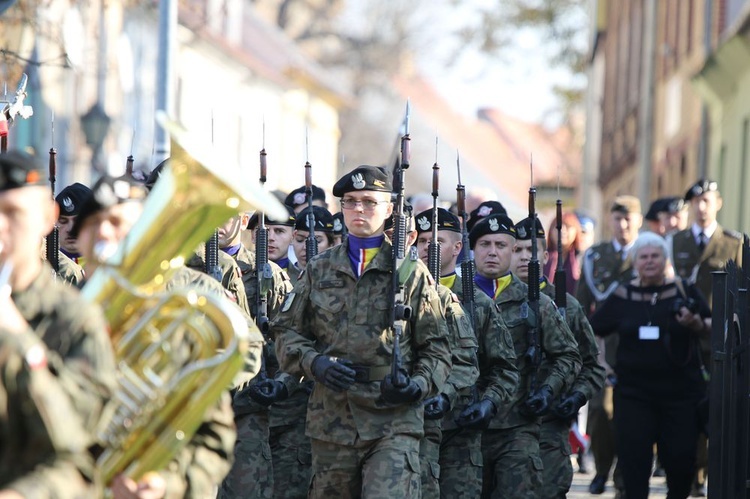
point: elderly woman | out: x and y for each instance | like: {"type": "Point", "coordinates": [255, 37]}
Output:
{"type": "Point", "coordinates": [659, 380]}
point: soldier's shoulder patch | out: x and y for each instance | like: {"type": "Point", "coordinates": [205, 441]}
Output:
{"type": "Point", "coordinates": [288, 302]}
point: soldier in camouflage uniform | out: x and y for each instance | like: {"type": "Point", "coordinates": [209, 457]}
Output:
{"type": "Point", "coordinates": [696, 252]}
{"type": "Point", "coordinates": [512, 465]}
{"type": "Point", "coordinates": [69, 202]}
{"type": "Point", "coordinates": [279, 240]}
{"type": "Point", "coordinates": [34, 305]}
{"type": "Point", "coordinates": [68, 270]}
{"type": "Point", "coordinates": [460, 452]}
{"type": "Point", "coordinates": [105, 220]}
{"type": "Point", "coordinates": [605, 266]}
{"type": "Point", "coordinates": [554, 445]}
{"type": "Point", "coordinates": [252, 473]}
{"type": "Point", "coordinates": [335, 327]}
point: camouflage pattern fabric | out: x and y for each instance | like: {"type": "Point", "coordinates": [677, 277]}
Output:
{"type": "Point", "coordinates": [461, 464]}
{"type": "Point", "coordinates": [43, 443]}
{"type": "Point", "coordinates": [386, 468]}
{"type": "Point", "coordinates": [429, 459]}
{"type": "Point", "coordinates": [231, 276]}
{"type": "Point", "coordinates": [554, 449]}
{"type": "Point", "coordinates": [68, 270]}
{"type": "Point", "coordinates": [512, 466]}
{"type": "Point", "coordinates": [251, 475]}
{"type": "Point", "coordinates": [292, 460]}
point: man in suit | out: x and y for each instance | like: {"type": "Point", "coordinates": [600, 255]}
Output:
{"type": "Point", "coordinates": [702, 248]}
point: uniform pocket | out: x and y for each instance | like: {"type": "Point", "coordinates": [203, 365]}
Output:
{"type": "Point", "coordinates": [304, 456]}
{"type": "Point", "coordinates": [435, 470]}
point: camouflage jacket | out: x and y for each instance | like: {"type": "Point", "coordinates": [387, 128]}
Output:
{"type": "Point", "coordinates": [591, 377]}
{"type": "Point", "coordinates": [69, 271]}
{"type": "Point", "coordinates": [696, 267]}
{"type": "Point", "coordinates": [464, 365]}
{"type": "Point", "coordinates": [77, 339]}
{"type": "Point", "coordinates": [331, 312]}
{"type": "Point", "coordinates": [498, 372]}
{"type": "Point", "coordinates": [43, 443]}
{"type": "Point", "coordinates": [231, 276]}
{"type": "Point", "coordinates": [560, 356]}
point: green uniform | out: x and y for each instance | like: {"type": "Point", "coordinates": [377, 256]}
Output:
{"type": "Point", "coordinates": [461, 448]}
{"type": "Point", "coordinates": [512, 465]}
{"type": "Point", "coordinates": [231, 277]}
{"type": "Point", "coordinates": [69, 271]}
{"type": "Point", "coordinates": [554, 445]}
{"type": "Point", "coordinates": [463, 375]}
{"type": "Point", "coordinates": [359, 443]}
{"type": "Point", "coordinates": [43, 443]}
{"type": "Point", "coordinates": [604, 268]}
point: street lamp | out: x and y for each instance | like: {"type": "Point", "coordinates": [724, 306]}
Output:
{"type": "Point", "coordinates": [95, 124]}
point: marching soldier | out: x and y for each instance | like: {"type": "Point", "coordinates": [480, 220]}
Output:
{"type": "Point", "coordinates": [460, 449]}
{"type": "Point", "coordinates": [69, 202]}
{"type": "Point", "coordinates": [105, 220]}
{"type": "Point", "coordinates": [335, 327]}
{"type": "Point", "coordinates": [279, 239]}
{"type": "Point", "coordinates": [297, 199]}
{"type": "Point", "coordinates": [605, 266]}
{"type": "Point", "coordinates": [702, 248]}
{"type": "Point", "coordinates": [554, 445]}
{"type": "Point", "coordinates": [73, 332]}
{"type": "Point", "coordinates": [512, 465]}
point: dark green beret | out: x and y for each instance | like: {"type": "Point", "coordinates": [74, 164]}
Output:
{"type": "Point", "coordinates": [19, 169]}
{"type": "Point", "coordinates": [701, 187]}
{"type": "Point", "coordinates": [363, 178]}
{"type": "Point", "coordinates": [492, 224]}
{"type": "Point", "coordinates": [446, 221]}
{"type": "Point", "coordinates": [323, 220]}
{"type": "Point", "coordinates": [524, 228]}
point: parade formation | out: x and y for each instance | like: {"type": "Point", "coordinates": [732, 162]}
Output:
{"type": "Point", "coordinates": [146, 350]}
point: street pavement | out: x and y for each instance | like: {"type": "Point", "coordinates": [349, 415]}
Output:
{"type": "Point", "coordinates": [581, 481]}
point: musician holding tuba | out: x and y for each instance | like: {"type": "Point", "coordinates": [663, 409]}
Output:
{"type": "Point", "coordinates": [105, 221]}
{"type": "Point", "coordinates": [74, 343]}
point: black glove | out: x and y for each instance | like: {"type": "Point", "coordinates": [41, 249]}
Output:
{"type": "Point", "coordinates": [333, 372]}
{"type": "Point", "coordinates": [477, 416]}
{"type": "Point", "coordinates": [568, 407]}
{"type": "Point", "coordinates": [538, 403]}
{"type": "Point", "coordinates": [436, 407]}
{"type": "Point", "coordinates": [267, 391]}
{"type": "Point", "coordinates": [406, 392]}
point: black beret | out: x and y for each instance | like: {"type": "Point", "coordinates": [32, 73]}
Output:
{"type": "Point", "coordinates": [19, 169]}
{"type": "Point", "coordinates": [701, 187]}
{"type": "Point", "coordinates": [363, 178]}
{"type": "Point", "coordinates": [323, 220]}
{"type": "Point", "coordinates": [483, 210]}
{"type": "Point", "coordinates": [338, 224]}
{"type": "Point", "coordinates": [108, 191]}
{"type": "Point", "coordinates": [492, 224]}
{"type": "Point", "coordinates": [673, 204]}
{"type": "Point", "coordinates": [446, 221]}
{"type": "Point", "coordinates": [668, 205]}
{"type": "Point", "coordinates": [524, 228]}
{"type": "Point", "coordinates": [298, 196]}
{"type": "Point", "coordinates": [71, 198]}
{"type": "Point", "coordinates": [288, 221]}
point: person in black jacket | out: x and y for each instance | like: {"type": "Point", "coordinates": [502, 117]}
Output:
{"type": "Point", "coordinates": [659, 383]}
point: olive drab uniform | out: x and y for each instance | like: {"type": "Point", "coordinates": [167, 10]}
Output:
{"type": "Point", "coordinates": [461, 448]}
{"type": "Point", "coordinates": [68, 270]}
{"type": "Point", "coordinates": [512, 465]}
{"type": "Point", "coordinates": [604, 268]}
{"type": "Point", "coordinates": [43, 442]}
{"type": "Point", "coordinates": [463, 375]}
{"type": "Point", "coordinates": [231, 277]}
{"type": "Point", "coordinates": [554, 444]}
{"type": "Point", "coordinates": [357, 438]}
{"type": "Point", "coordinates": [252, 472]}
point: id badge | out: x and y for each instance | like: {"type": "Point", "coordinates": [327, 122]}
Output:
{"type": "Point", "coordinates": [648, 333]}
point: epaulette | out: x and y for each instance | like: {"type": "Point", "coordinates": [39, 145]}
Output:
{"type": "Point", "coordinates": [733, 234]}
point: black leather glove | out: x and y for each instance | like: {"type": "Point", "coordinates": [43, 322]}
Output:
{"type": "Point", "coordinates": [568, 407]}
{"type": "Point", "coordinates": [333, 372]}
{"type": "Point", "coordinates": [405, 391]}
{"type": "Point", "coordinates": [539, 402]}
{"type": "Point", "coordinates": [436, 407]}
{"type": "Point", "coordinates": [267, 391]}
{"type": "Point", "coordinates": [477, 416]}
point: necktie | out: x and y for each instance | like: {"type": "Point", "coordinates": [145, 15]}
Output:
{"type": "Point", "coordinates": [702, 240]}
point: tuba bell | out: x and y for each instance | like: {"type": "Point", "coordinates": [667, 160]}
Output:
{"type": "Point", "coordinates": [176, 351]}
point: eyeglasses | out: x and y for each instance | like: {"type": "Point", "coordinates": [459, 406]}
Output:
{"type": "Point", "coordinates": [366, 204]}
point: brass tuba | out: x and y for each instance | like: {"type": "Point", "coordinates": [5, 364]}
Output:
{"type": "Point", "coordinates": [177, 351]}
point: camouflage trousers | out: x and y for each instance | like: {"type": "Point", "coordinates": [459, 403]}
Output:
{"type": "Point", "coordinates": [554, 448]}
{"type": "Point", "coordinates": [461, 464]}
{"type": "Point", "coordinates": [292, 461]}
{"type": "Point", "coordinates": [386, 468]}
{"type": "Point", "coordinates": [429, 459]}
{"type": "Point", "coordinates": [251, 475]}
{"type": "Point", "coordinates": [512, 466]}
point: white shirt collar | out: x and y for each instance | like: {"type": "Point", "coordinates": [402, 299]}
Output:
{"type": "Point", "coordinates": [708, 231]}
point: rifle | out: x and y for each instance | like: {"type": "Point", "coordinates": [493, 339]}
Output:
{"type": "Point", "coordinates": [433, 249]}
{"type": "Point", "coordinates": [561, 299]}
{"type": "Point", "coordinates": [530, 309]}
{"type": "Point", "coordinates": [262, 267]}
{"type": "Point", "coordinates": [401, 312]}
{"type": "Point", "coordinates": [311, 244]}
{"type": "Point", "coordinates": [211, 262]}
{"type": "Point", "coordinates": [129, 162]}
{"type": "Point", "coordinates": [52, 240]}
